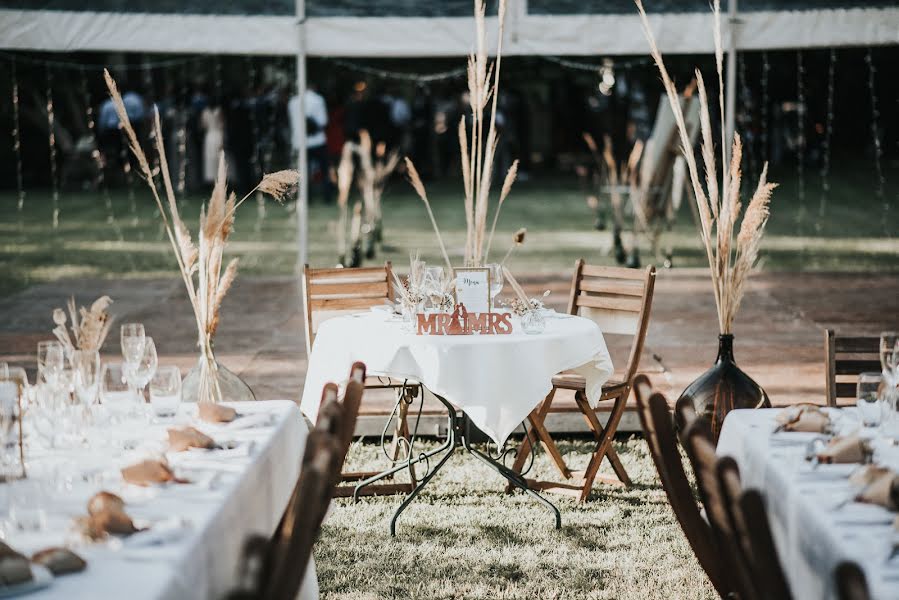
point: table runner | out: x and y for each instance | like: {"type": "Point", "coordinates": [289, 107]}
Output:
{"type": "Point", "coordinates": [812, 527]}
{"type": "Point", "coordinates": [497, 380]}
{"type": "Point", "coordinates": [249, 497]}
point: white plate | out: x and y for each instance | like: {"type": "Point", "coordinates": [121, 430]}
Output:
{"type": "Point", "coordinates": [41, 578]}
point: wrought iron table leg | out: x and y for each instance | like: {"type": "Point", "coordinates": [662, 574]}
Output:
{"type": "Point", "coordinates": [403, 465]}
{"type": "Point", "coordinates": [515, 479]}
{"type": "Point", "coordinates": [415, 492]}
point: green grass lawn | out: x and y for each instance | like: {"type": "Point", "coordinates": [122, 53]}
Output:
{"type": "Point", "coordinates": [91, 240]}
{"type": "Point", "coordinates": [464, 538]}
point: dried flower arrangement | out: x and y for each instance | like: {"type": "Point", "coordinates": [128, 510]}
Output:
{"type": "Point", "coordinates": [410, 290]}
{"type": "Point", "coordinates": [731, 260]}
{"type": "Point", "coordinates": [89, 327]}
{"type": "Point", "coordinates": [478, 153]}
{"type": "Point", "coordinates": [200, 264]}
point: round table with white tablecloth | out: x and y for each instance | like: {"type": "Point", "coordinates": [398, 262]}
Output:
{"type": "Point", "coordinates": [496, 380]}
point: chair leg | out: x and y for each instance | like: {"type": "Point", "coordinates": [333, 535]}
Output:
{"type": "Point", "coordinates": [537, 432]}
{"type": "Point", "coordinates": [604, 448]}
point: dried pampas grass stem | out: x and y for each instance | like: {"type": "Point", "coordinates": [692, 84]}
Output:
{"type": "Point", "coordinates": [419, 188]}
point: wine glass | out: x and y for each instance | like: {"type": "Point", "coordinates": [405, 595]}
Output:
{"type": "Point", "coordinates": [140, 372]}
{"type": "Point", "coordinates": [165, 391]}
{"type": "Point", "coordinates": [50, 362]}
{"type": "Point", "coordinates": [133, 340]}
{"type": "Point", "coordinates": [9, 418]}
{"type": "Point", "coordinates": [867, 399]}
{"type": "Point", "coordinates": [116, 394]}
{"type": "Point", "coordinates": [86, 376]}
{"type": "Point", "coordinates": [496, 281]}
{"type": "Point", "coordinates": [434, 285]}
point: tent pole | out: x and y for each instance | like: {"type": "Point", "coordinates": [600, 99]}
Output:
{"type": "Point", "coordinates": [302, 167]}
{"type": "Point", "coordinates": [731, 82]}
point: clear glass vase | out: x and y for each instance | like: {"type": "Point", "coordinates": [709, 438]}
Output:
{"type": "Point", "coordinates": [533, 322]}
{"type": "Point", "coordinates": [211, 381]}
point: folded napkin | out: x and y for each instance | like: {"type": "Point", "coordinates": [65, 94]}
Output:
{"type": "Point", "coordinates": [59, 561]}
{"type": "Point", "coordinates": [181, 439]}
{"type": "Point", "coordinates": [150, 472]}
{"type": "Point", "coordinates": [845, 449]}
{"type": "Point", "coordinates": [104, 501]}
{"type": "Point", "coordinates": [251, 421]}
{"type": "Point", "coordinates": [14, 567]}
{"type": "Point", "coordinates": [880, 486]}
{"type": "Point", "coordinates": [216, 413]}
{"type": "Point", "coordinates": [106, 514]}
{"type": "Point", "coordinates": [164, 532]}
{"type": "Point", "coordinates": [803, 417]}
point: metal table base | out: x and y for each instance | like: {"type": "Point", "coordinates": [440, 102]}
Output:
{"type": "Point", "coordinates": [459, 429]}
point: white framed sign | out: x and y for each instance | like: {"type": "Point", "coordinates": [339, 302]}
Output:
{"type": "Point", "coordinates": [473, 289]}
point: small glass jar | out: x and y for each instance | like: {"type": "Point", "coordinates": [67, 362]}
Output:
{"type": "Point", "coordinates": [532, 322]}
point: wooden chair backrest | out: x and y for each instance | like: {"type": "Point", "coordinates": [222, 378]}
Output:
{"type": "Point", "coordinates": [323, 458]}
{"type": "Point", "coordinates": [330, 293]}
{"type": "Point", "coordinates": [619, 300]}
{"type": "Point", "coordinates": [684, 416]}
{"type": "Point", "coordinates": [851, 582]}
{"type": "Point", "coordinates": [766, 563]}
{"type": "Point", "coordinates": [845, 357]}
{"type": "Point", "coordinates": [701, 452]}
{"type": "Point", "coordinates": [662, 441]}
{"type": "Point", "coordinates": [764, 566]}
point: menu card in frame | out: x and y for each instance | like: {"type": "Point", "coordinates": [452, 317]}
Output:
{"type": "Point", "coordinates": [473, 289]}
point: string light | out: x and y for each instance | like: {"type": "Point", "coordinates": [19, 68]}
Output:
{"type": "Point", "coordinates": [420, 78]}
{"type": "Point", "coordinates": [182, 136]}
{"type": "Point", "coordinates": [594, 67]}
{"type": "Point", "coordinates": [743, 117]}
{"type": "Point", "coordinates": [17, 140]}
{"type": "Point", "coordinates": [828, 134]}
{"type": "Point", "coordinates": [97, 157]}
{"type": "Point", "coordinates": [878, 150]}
{"type": "Point", "coordinates": [766, 70]}
{"type": "Point", "coordinates": [254, 157]}
{"type": "Point", "coordinates": [800, 138]}
{"type": "Point", "coordinates": [51, 126]}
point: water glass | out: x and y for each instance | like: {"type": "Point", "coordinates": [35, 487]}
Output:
{"type": "Point", "coordinates": [165, 391]}
{"type": "Point", "coordinates": [51, 361]}
{"type": "Point", "coordinates": [27, 499]}
{"type": "Point", "coordinates": [496, 282]}
{"type": "Point", "coordinates": [9, 432]}
{"type": "Point", "coordinates": [434, 286]}
{"type": "Point", "coordinates": [867, 399]}
{"type": "Point", "coordinates": [115, 392]}
{"type": "Point", "coordinates": [133, 340]}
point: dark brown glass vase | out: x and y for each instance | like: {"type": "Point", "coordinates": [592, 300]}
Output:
{"type": "Point", "coordinates": [724, 388]}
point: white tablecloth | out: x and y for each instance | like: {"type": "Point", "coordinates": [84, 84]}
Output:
{"type": "Point", "coordinates": [813, 533]}
{"type": "Point", "coordinates": [497, 380]}
{"type": "Point", "coordinates": [235, 494]}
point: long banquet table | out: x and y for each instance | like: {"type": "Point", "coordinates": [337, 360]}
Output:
{"type": "Point", "coordinates": [235, 493]}
{"type": "Point", "coordinates": [814, 525]}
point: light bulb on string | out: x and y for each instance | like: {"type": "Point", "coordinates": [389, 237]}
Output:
{"type": "Point", "coordinates": [800, 139]}
{"type": "Point", "coordinates": [17, 140]}
{"type": "Point", "coordinates": [828, 136]}
{"type": "Point", "coordinates": [880, 190]}
{"type": "Point", "coordinates": [51, 128]}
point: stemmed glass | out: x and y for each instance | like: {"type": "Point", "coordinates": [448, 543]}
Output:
{"type": "Point", "coordinates": [140, 372]}
{"type": "Point", "coordinates": [133, 339]}
{"type": "Point", "coordinates": [86, 377]}
{"type": "Point", "coordinates": [434, 286]}
{"type": "Point", "coordinates": [496, 282]}
{"type": "Point", "coordinates": [9, 419]}
{"type": "Point", "coordinates": [50, 362]}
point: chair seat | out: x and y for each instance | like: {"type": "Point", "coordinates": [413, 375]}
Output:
{"type": "Point", "coordinates": [573, 381]}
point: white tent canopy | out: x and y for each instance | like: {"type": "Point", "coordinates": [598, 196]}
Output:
{"type": "Point", "coordinates": [353, 36]}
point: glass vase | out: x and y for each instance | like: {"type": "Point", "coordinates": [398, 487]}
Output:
{"type": "Point", "coordinates": [724, 388]}
{"type": "Point", "coordinates": [533, 322]}
{"type": "Point", "coordinates": [211, 381]}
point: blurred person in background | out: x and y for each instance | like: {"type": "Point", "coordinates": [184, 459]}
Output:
{"type": "Point", "coordinates": [212, 123]}
{"type": "Point", "coordinates": [316, 118]}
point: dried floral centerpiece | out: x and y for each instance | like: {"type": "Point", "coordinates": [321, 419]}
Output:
{"type": "Point", "coordinates": [89, 327]}
{"type": "Point", "coordinates": [724, 387]}
{"type": "Point", "coordinates": [478, 150]}
{"type": "Point", "coordinates": [410, 290]}
{"type": "Point", "coordinates": [200, 263]}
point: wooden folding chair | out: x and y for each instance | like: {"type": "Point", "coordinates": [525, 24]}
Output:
{"type": "Point", "coordinates": [851, 582]}
{"type": "Point", "coordinates": [701, 452]}
{"type": "Point", "coordinates": [619, 301]}
{"type": "Point", "coordinates": [332, 293]}
{"type": "Point", "coordinates": [661, 439]}
{"type": "Point", "coordinates": [273, 569]}
{"type": "Point", "coordinates": [752, 533]}
{"type": "Point", "coordinates": [845, 357]}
